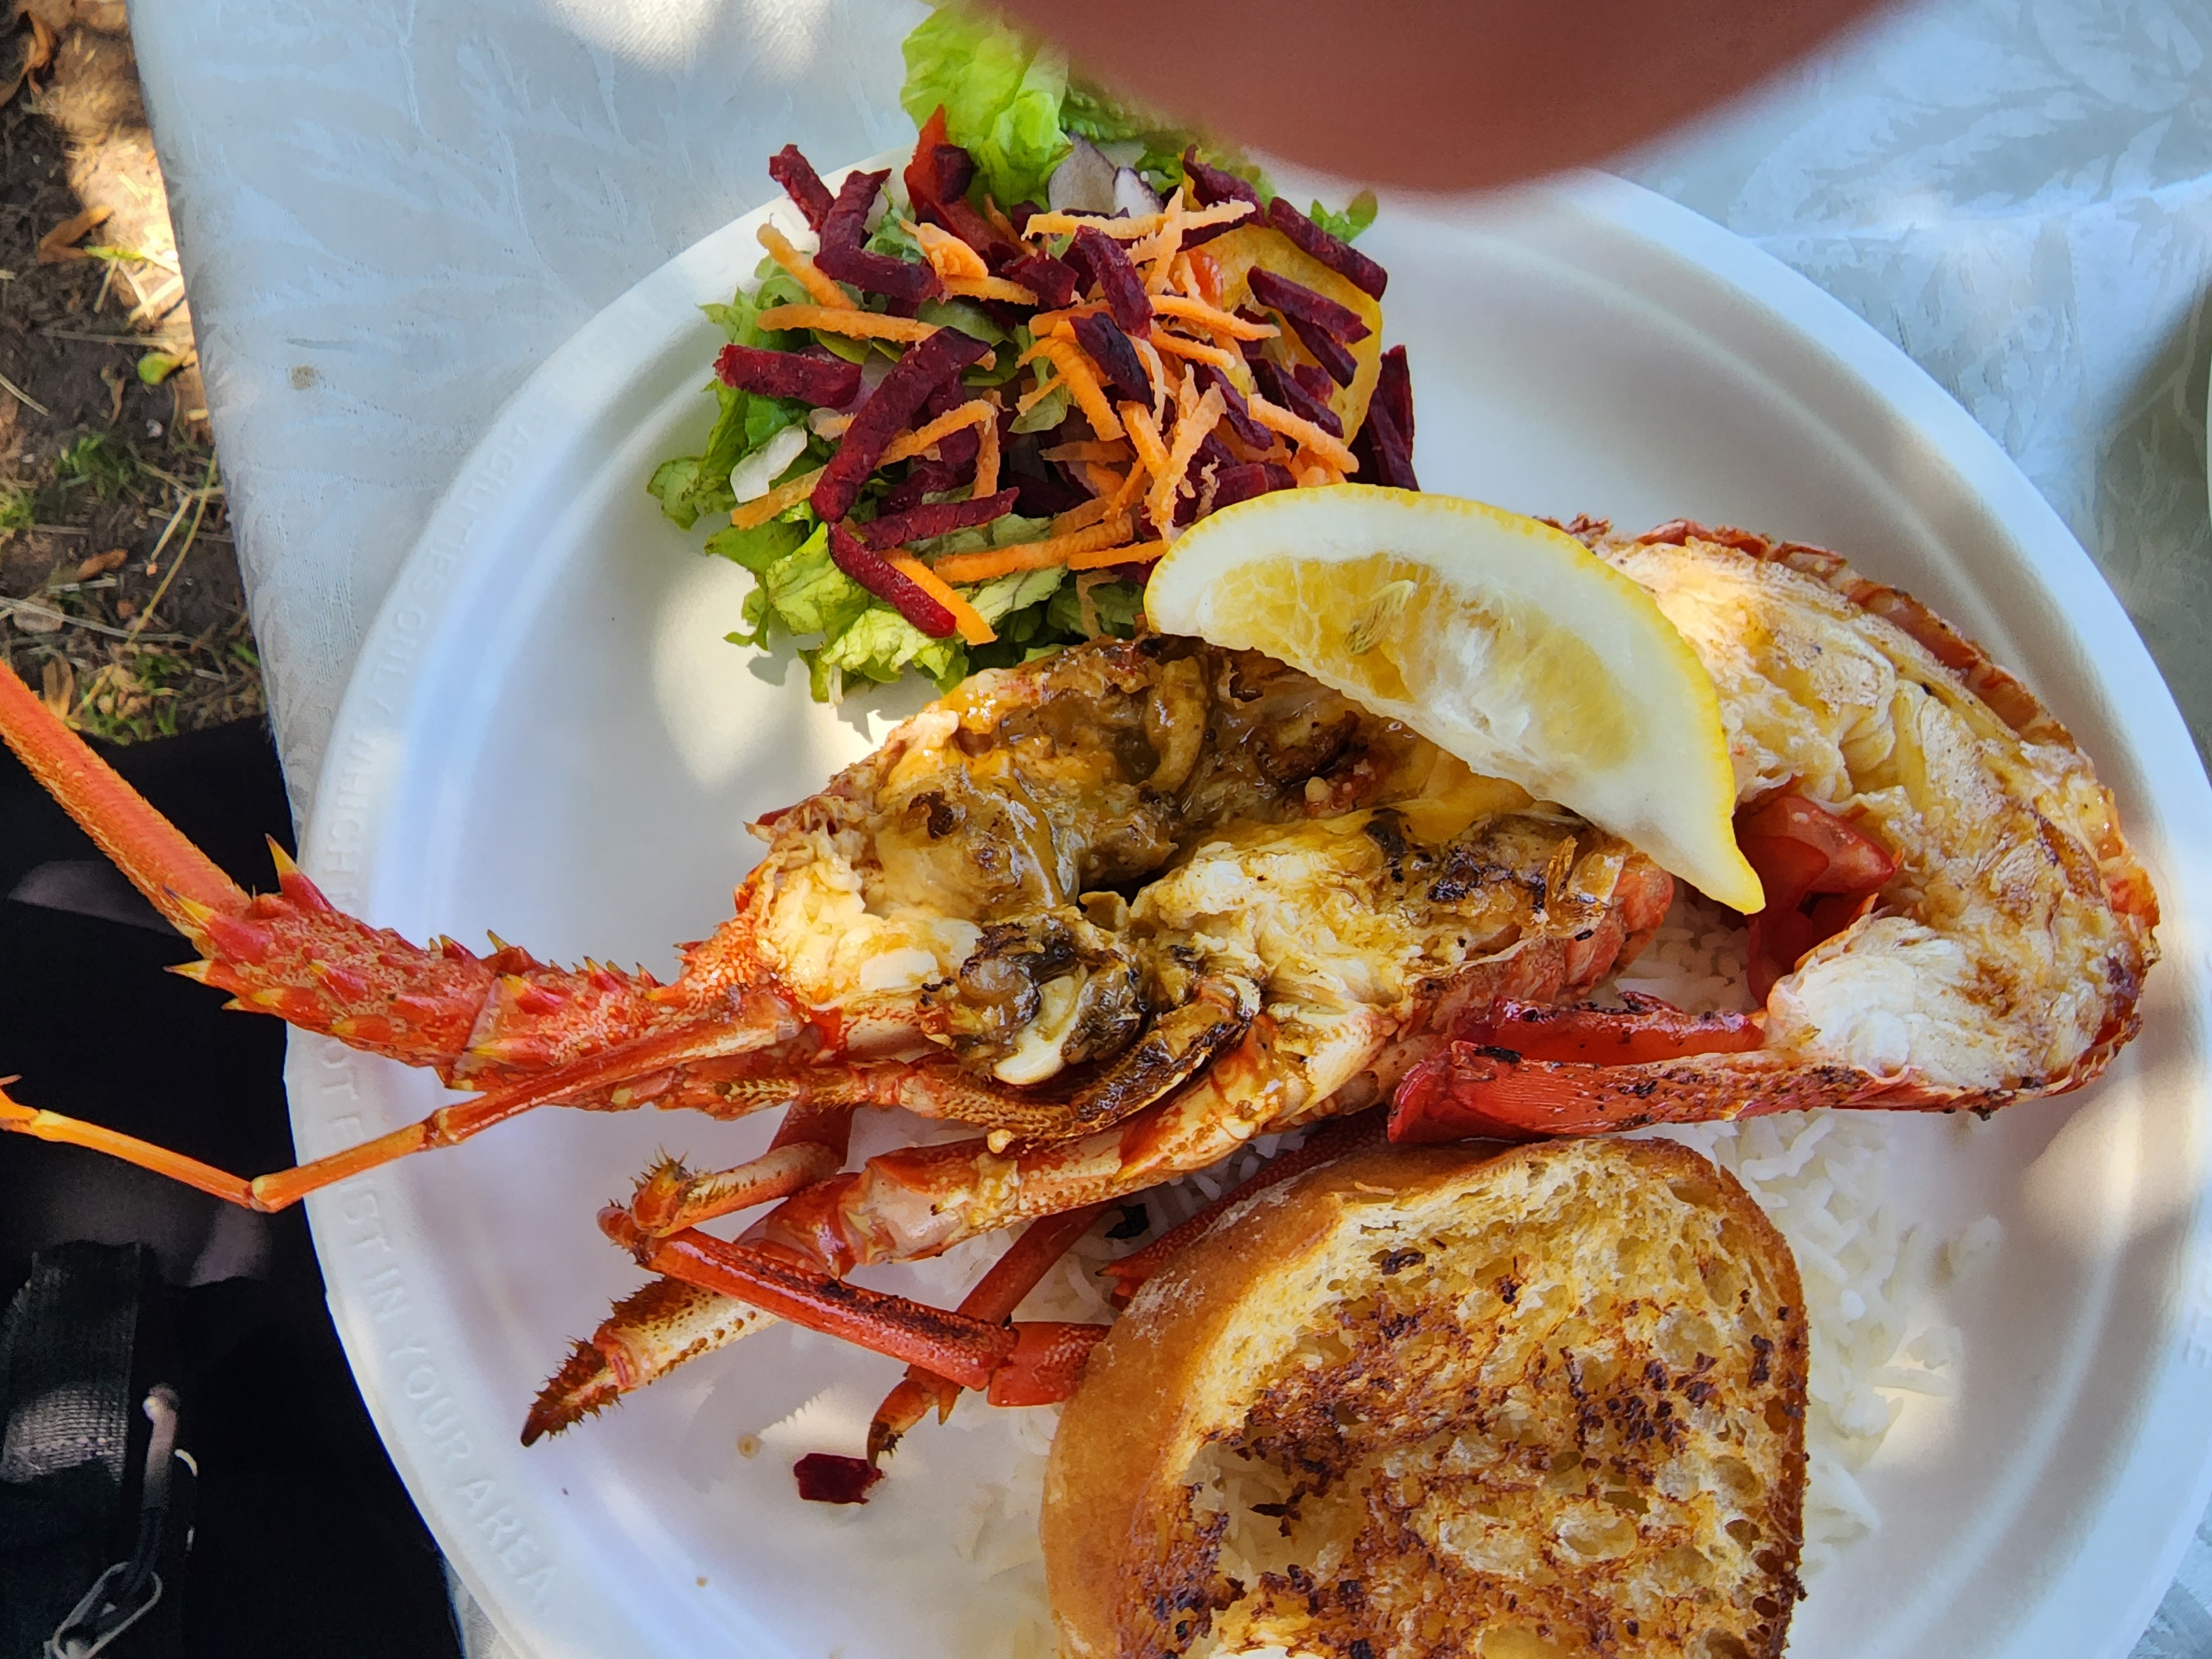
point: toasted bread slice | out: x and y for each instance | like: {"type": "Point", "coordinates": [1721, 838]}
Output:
{"type": "Point", "coordinates": [1539, 1405]}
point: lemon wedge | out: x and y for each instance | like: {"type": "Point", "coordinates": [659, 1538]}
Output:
{"type": "Point", "coordinates": [1502, 640]}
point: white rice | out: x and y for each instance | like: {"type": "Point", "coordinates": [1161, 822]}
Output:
{"type": "Point", "coordinates": [1822, 1176]}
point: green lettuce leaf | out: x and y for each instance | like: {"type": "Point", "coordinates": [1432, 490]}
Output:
{"type": "Point", "coordinates": [1001, 95]}
{"type": "Point", "coordinates": [808, 594]}
{"type": "Point", "coordinates": [1358, 214]}
{"type": "Point", "coordinates": [759, 547]}
{"type": "Point", "coordinates": [999, 597]}
{"type": "Point", "coordinates": [1115, 604]}
{"type": "Point", "coordinates": [880, 645]}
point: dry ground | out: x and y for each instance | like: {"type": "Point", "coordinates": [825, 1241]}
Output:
{"type": "Point", "coordinates": [119, 595]}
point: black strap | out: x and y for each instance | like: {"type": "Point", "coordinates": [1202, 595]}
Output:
{"type": "Point", "coordinates": [94, 1515]}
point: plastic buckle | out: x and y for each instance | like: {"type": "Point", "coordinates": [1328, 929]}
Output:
{"type": "Point", "coordinates": [129, 1590]}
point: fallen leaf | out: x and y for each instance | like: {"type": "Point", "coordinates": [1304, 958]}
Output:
{"type": "Point", "coordinates": [125, 609]}
{"type": "Point", "coordinates": [57, 684]}
{"type": "Point", "coordinates": [58, 246]}
{"type": "Point", "coordinates": [38, 52]}
{"type": "Point", "coordinates": [100, 563]}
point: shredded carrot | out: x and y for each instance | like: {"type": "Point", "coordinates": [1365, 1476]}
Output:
{"type": "Point", "coordinates": [1315, 474]}
{"type": "Point", "coordinates": [1103, 480]}
{"type": "Point", "coordinates": [1126, 496]}
{"type": "Point", "coordinates": [812, 276]}
{"type": "Point", "coordinates": [965, 617]}
{"type": "Point", "coordinates": [1157, 371]}
{"type": "Point", "coordinates": [1144, 435]}
{"type": "Point", "coordinates": [1304, 434]}
{"type": "Point", "coordinates": [975, 412]}
{"type": "Point", "coordinates": [1191, 428]}
{"type": "Point", "coordinates": [1133, 229]}
{"type": "Point", "coordinates": [1049, 322]}
{"type": "Point", "coordinates": [1088, 450]}
{"type": "Point", "coordinates": [1082, 384]}
{"type": "Point", "coordinates": [1159, 251]}
{"type": "Point", "coordinates": [823, 424]}
{"type": "Point", "coordinates": [759, 510]}
{"type": "Point", "coordinates": [948, 256]}
{"type": "Point", "coordinates": [1036, 394]}
{"type": "Point", "coordinates": [987, 460]}
{"type": "Point", "coordinates": [1132, 553]}
{"type": "Point", "coordinates": [1030, 556]}
{"type": "Point", "coordinates": [1176, 346]}
{"type": "Point", "coordinates": [988, 288]}
{"type": "Point", "coordinates": [1212, 318]}
{"type": "Point", "coordinates": [997, 216]}
{"type": "Point", "coordinates": [1080, 516]}
{"type": "Point", "coordinates": [851, 322]}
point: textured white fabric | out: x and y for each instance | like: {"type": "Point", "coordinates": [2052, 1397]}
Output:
{"type": "Point", "coordinates": [390, 213]}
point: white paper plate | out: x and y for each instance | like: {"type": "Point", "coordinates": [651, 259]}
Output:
{"type": "Point", "coordinates": [546, 735]}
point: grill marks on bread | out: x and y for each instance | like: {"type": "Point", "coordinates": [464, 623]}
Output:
{"type": "Point", "coordinates": [1542, 1405]}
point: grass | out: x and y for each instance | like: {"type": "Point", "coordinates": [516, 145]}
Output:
{"type": "Point", "coordinates": [108, 467]}
{"type": "Point", "coordinates": [129, 691]}
{"type": "Point", "coordinates": [16, 511]}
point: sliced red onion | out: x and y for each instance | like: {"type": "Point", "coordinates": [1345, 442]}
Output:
{"type": "Point", "coordinates": [1133, 196]}
{"type": "Point", "coordinates": [1084, 183]}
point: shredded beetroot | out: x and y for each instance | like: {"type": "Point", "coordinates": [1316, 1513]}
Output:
{"type": "Point", "coordinates": [892, 586]}
{"type": "Point", "coordinates": [1340, 256]}
{"type": "Point", "coordinates": [827, 1478]}
{"type": "Point", "coordinates": [879, 273]}
{"type": "Point", "coordinates": [846, 224]}
{"type": "Point", "coordinates": [1254, 351]}
{"type": "Point", "coordinates": [1284, 390]}
{"type": "Point", "coordinates": [825, 382]}
{"type": "Point", "coordinates": [1240, 483]}
{"type": "Point", "coordinates": [1385, 441]}
{"type": "Point", "coordinates": [1385, 457]}
{"type": "Point", "coordinates": [1117, 360]}
{"type": "Point", "coordinates": [928, 478]}
{"type": "Point", "coordinates": [1297, 299]}
{"type": "Point", "coordinates": [1332, 354]}
{"type": "Point", "coordinates": [934, 519]}
{"type": "Point", "coordinates": [1315, 381]}
{"type": "Point", "coordinates": [1052, 281]}
{"type": "Point", "coordinates": [1211, 187]}
{"type": "Point", "coordinates": [1394, 388]}
{"type": "Point", "coordinates": [1020, 213]}
{"type": "Point", "coordinates": [1235, 410]}
{"type": "Point", "coordinates": [1117, 279]}
{"type": "Point", "coordinates": [923, 369]}
{"type": "Point", "coordinates": [801, 183]}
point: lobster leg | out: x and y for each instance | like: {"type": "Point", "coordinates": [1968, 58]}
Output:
{"type": "Point", "coordinates": [667, 1322]}
{"type": "Point", "coordinates": [809, 1146]}
{"type": "Point", "coordinates": [1332, 1141]}
{"type": "Point", "coordinates": [446, 1126]}
{"type": "Point", "coordinates": [143, 845]}
{"type": "Point", "coordinates": [968, 1351]}
{"type": "Point", "coordinates": [995, 1297]}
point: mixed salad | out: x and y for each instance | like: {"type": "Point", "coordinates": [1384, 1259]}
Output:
{"type": "Point", "coordinates": [969, 403]}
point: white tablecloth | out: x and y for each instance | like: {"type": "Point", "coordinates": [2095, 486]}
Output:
{"type": "Point", "coordinates": [389, 215]}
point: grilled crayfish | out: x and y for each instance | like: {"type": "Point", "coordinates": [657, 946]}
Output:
{"type": "Point", "coordinates": [1127, 906]}
{"type": "Point", "coordinates": [1121, 910]}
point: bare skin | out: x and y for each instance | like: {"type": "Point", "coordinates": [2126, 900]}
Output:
{"type": "Point", "coordinates": [1439, 94]}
